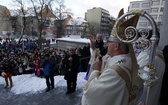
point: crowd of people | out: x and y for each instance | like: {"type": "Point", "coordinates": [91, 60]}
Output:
{"type": "Point", "coordinates": [44, 63]}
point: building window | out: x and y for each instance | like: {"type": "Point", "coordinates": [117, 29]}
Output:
{"type": "Point", "coordinates": [154, 10]}
{"type": "Point", "coordinates": [142, 23]}
{"type": "Point", "coordinates": [161, 9]}
{"type": "Point", "coordinates": [146, 4]}
{"type": "Point", "coordinates": [149, 24]}
{"type": "Point", "coordinates": [143, 18]}
{"type": "Point", "coordinates": [146, 10]}
{"type": "Point", "coordinates": [136, 5]}
{"type": "Point", "coordinates": [163, 2]}
{"type": "Point", "coordinates": [159, 23]}
{"type": "Point", "coordinates": [154, 16]}
{"type": "Point", "coordinates": [160, 17]}
{"type": "Point", "coordinates": [155, 3]}
{"type": "Point", "coordinates": [105, 11]}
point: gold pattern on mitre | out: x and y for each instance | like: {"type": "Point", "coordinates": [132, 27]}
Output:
{"type": "Point", "coordinates": [121, 12]}
{"type": "Point", "coordinates": [130, 22]}
{"type": "Point", "coordinates": [120, 27]}
{"type": "Point", "coordinates": [140, 11]}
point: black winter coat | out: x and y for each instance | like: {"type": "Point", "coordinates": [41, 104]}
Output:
{"type": "Point", "coordinates": [71, 67]}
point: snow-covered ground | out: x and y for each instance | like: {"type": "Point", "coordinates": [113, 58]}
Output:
{"type": "Point", "coordinates": [31, 84]}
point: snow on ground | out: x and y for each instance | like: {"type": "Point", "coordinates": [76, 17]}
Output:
{"type": "Point", "coordinates": [31, 84]}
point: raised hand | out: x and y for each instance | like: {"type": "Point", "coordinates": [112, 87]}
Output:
{"type": "Point", "coordinates": [92, 39]}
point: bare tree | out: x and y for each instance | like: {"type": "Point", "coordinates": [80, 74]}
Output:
{"type": "Point", "coordinates": [42, 10]}
{"type": "Point", "coordinates": [75, 26]}
{"type": "Point", "coordinates": [62, 11]}
{"type": "Point", "coordinates": [63, 15]}
{"type": "Point", "coordinates": [85, 30]}
{"type": "Point", "coordinates": [94, 29]}
{"type": "Point", "coordinates": [20, 15]}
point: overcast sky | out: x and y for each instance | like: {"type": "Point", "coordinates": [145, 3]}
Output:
{"type": "Point", "coordinates": [79, 7]}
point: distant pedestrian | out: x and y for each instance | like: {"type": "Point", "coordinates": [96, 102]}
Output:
{"type": "Point", "coordinates": [37, 67]}
{"type": "Point", "coordinates": [47, 66]}
{"type": "Point", "coordinates": [7, 73]}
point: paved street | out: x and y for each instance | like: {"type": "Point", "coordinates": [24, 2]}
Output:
{"type": "Point", "coordinates": [56, 96]}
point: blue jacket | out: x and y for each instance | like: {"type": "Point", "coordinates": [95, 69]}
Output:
{"type": "Point", "coordinates": [48, 68]}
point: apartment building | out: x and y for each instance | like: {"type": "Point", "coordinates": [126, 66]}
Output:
{"type": "Point", "coordinates": [153, 7]}
{"type": "Point", "coordinates": [99, 21]}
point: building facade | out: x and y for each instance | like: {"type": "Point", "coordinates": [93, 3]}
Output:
{"type": "Point", "coordinates": [30, 23]}
{"type": "Point", "coordinates": [47, 19]}
{"type": "Point", "coordinates": [5, 22]}
{"type": "Point", "coordinates": [153, 7]}
{"type": "Point", "coordinates": [99, 21]}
